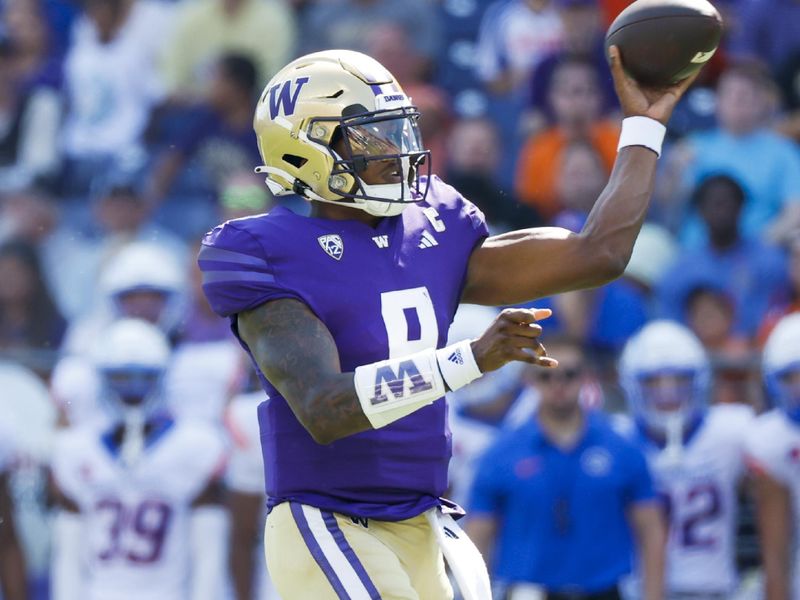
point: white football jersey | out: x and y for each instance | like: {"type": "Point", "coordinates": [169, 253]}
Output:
{"type": "Point", "coordinates": [245, 472]}
{"type": "Point", "coordinates": [6, 448]}
{"type": "Point", "coordinates": [200, 378]}
{"type": "Point", "coordinates": [137, 519]}
{"type": "Point", "coordinates": [699, 488]}
{"type": "Point", "coordinates": [773, 443]}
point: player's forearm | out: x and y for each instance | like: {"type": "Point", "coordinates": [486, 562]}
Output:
{"type": "Point", "coordinates": [651, 536]}
{"type": "Point", "coordinates": [523, 265]}
{"type": "Point", "coordinates": [776, 584]}
{"type": "Point", "coordinates": [332, 410]}
{"type": "Point", "coordinates": [244, 509]}
{"type": "Point", "coordinates": [776, 570]}
{"type": "Point", "coordinates": [298, 355]}
{"type": "Point", "coordinates": [617, 216]}
{"type": "Point", "coordinates": [12, 572]}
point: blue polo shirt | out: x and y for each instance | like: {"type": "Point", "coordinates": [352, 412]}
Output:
{"type": "Point", "coordinates": [562, 513]}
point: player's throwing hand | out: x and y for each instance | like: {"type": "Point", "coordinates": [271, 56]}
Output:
{"type": "Point", "coordinates": [638, 100]}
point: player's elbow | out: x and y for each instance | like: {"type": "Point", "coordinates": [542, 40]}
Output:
{"type": "Point", "coordinates": [612, 267]}
{"type": "Point", "coordinates": [322, 435]}
{"type": "Point", "coordinates": [603, 263]}
{"type": "Point", "coordinates": [321, 429]}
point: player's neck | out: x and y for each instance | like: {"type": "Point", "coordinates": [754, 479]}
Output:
{"type": "Point", "coordinates": [561, 426]}
{"type": "Point", "coordinates": [336, 212]}
{"type": "Point", "coordinates": [724, 240]}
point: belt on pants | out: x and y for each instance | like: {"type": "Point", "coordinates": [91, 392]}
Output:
{"type": "Point", "coordinates": [609, 594]}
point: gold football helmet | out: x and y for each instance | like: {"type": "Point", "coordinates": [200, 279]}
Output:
{"type": "Point", "coordinates": [322, 99]}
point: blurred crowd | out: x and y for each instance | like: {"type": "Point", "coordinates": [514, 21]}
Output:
{"type": "Point", "coordinates": [126, 133]}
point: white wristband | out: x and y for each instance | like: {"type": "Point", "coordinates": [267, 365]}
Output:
{"type": "Point", "coordinates": [389, 390]}
{"type": "Point", "coordinates": [457, 364]}
{"type": "Point", "coordinates": [642, 131]}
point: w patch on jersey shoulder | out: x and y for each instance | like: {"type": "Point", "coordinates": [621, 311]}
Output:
{"type": "Point", "coordinates": [332, 244]}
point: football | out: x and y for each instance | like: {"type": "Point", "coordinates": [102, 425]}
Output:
{"type": "Point", "coordinates": [664, 41]}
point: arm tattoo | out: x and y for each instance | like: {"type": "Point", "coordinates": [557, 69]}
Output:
{"type": "Point", "coordinates": [298, 355]}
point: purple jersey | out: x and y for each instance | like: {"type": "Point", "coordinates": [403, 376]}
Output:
{"type": "Point", "coordinates": [383, 292]}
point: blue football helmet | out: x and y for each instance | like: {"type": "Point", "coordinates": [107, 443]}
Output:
{"type": "Point", "coordinates": [666, 376]}
{"type": "Point", "coordinates": [781, 366]}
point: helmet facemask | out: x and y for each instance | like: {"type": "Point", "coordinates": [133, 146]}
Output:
{"type": "Point", "coordinates": [784, 388]}
{"type": "Point", "coordinates": [133, 392]}
{"type": "Point", "coordinates": [386, 142]}
{"type": "Point", "coordinates": [670, 400]}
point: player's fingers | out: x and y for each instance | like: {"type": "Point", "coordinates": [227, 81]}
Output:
{"type": "Point", "coordinates": [685, 84]}
{"type": "Point", "coordinates": [525, 316]}
{"type": "Point", "coordinates": [674, 92]}
{"type": "Point", "coordinates": [547, 361]}
{"type": "Point", "coordinates": [528, 331]}
{"type": "Point", "coordinates": [621, 78]}
{"type": "Point", "coordinates": [522, 356]}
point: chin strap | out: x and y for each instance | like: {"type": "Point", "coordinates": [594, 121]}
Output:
{"type": "Point", "coordinates": [132, 438]}
{"type": "Point", "coordinates": [673, 451]}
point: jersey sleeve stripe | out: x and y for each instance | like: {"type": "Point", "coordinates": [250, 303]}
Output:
{"type": "Point", "coordinates": [339, 572]}
{"type": "Point", "coordinates": [209, 253]}
{"type": "Point", "coordinates": [228, 276]}
{"type": "Point", "coordinates": [347, 550]}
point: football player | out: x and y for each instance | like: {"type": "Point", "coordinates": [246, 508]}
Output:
{"type": "Point", "coordinates": [773, 448]}
{"type": "Point", "coordinates": [139, 515]}
{"type": "Point", "coordinates": [12, 561]}
{"type": "Point", "coordinates": [143, 280]}
{"type": "Point", "coordinates": [345, 313]}
{"type": "Point", "coordinates": [696, 454]}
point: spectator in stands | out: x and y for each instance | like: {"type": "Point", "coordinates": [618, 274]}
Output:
{"type": "Point", "coordinates": [348, 23]}
{"type": "Point", "coordinates": [752, 272]}
{"type": "Point", "coordinates": [581, 177]}
{"type": "Point", "coordinates": [29, 122]}
{"type": "Point", "coordinates": [768, 32]}
{"type": "Point", "coordinates": [262, 30]}
{"type": "Point", "coordinates": [122, 214]}
{"type": "Point", "coordinates": [219, 134]}
{"type": "Point", "coordinates": [583, 39]}
{"type": "Point", "coordinates": [36, 61]}
{"type": "Point", "coordinates": [68, 258]}
{"type": "Point", "coordinates": [29, 318]}
{"type": "Point", "coordinates": [557, 503]}
{"type": "Point", "coordinates": [745, 100]}
{"type": "Point", "coordinates": [788, 304]}
{"type": "Point", "coordinates": [111, 82]}
{"type": "Point", "coordinates": [474, 157]}
{"type": "Point", "coordinates": [575, 99]}
{"type": "Point", "coordinates": [515, 35]}
{"type": "Point", "coordinates": [711, 315]}
{"type": "Point", "coordinates": [244, 194]}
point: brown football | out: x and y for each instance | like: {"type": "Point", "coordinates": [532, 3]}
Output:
{"type": "Point", "coordinates": [664, 41]}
